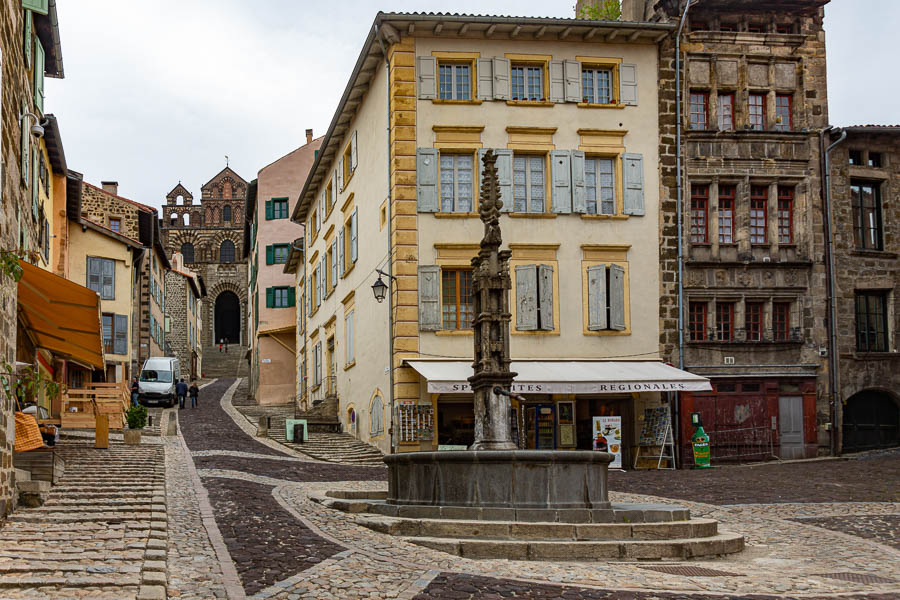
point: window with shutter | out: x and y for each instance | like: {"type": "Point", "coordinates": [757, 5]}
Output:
{"type": "Point", "coordinates": [350, 351]}
{"type": "Point", "coordinates": [426, 179]}
{"type": "Point", "coordinates": [25, 146]}
{"type": "Point", "coordinates": [634, 183]}
{"type": "Point", "coordinates": [526, 298]}
{"type": "Point", "coordinates": [108, 268]}
{"type": "Point", "coordinates": [573, 81]}
{"type": "Point", "coordinates": [545, 297]}
{"type": "Point", "coordinates": [529, 185]}
{"type": "Point", "coordinates": [121, 336]}
{"type": "Point", "coordinates": [501, 78]}
{"type": "Point", "coordinates": [39, 75]}
{"type": "Point", "coordinates": [628, 84]}
{"type": "Point", "coordinates": [354, 149]}
{"type": "Point", "coordinates": [270, 255]}
{"type": "Point", "coordinates": [617, 298]}
{"type": "Point", "coordinates": [457, 182]}
{"type": "Point", "coordinates": [342, 267]}
{"type": "Point", "coordinates": [353, 238]}
{"type": "Point", "coordinates": [425, 69]}
{"type": "Point", "coordinates": [27, 41]}
{"type": "Point", "coordinates": [561, 173]}
{"type": "Point", "coordinates": [557, 81]}
{"type": "Point", "coordinates": [269, 213]}
{"type": "Point", "coordinates": [579, 193]}
{"type": "Point", "coordinates": [485, 74]}
{"type": "Point", "coordinates": [270, 297]}
{"type": "Point", "coordinates": [429, 297]}
{"type": "Point", "coordinates": [597, 305]}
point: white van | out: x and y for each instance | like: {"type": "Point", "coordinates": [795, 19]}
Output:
{"type": "Point", "coordinates": [157, 382]}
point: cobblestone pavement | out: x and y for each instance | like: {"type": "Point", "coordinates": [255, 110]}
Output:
{"type": "Point", "coordinates": [285, 546]}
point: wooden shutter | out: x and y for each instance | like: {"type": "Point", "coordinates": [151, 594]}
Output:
{"type": "Point", "coordinates": [334, 262]}
{"type": "Point", "coordinates": [354, 250]}
{"type": "Point", "coordinates": [634, 184]}
{"type": "Point", "coordinates": [269, 210]}
{"type": "Point", "coordinates": [270, 255]}
{"type": "Point", "coordinates": [292, 296]}
{"type": "Point", "coordinates": [557, 81]}
{"type": "Point", "coordinates": [342, 267]}
{"type": "Point", "coordinates": [340, 180]}
{"type": "Point", "coordinates": [322, 267]}
{"type": "Point", "coordinates": [485, 71]}
{"type": "Point", "coordinates": [561, 173]}
{"type": "Point", "coordinates": [429, 297]}
{"type": "Point", "coordinates": [579, 199]}
{"type": "Point", "coordinates": [505, 175]}
{"type": "Point", "coordinates": [573, 81]}
{"type": "Point", "coordinates": [109, 279]}
{"type": "Point", "coordinates": [35, 182]}
{"type": "Point", "coordinates": [39, 75]}
{"type": "Point", "coordinates": [526, 297]}
{"type": "Point", "coordinates": [426, 180]}
{"type": "Point", "coordinates": [25, 145]}
{"type": "Point", "coordinates": [121, 337]}
{"type": "Point", "coordinates": [596, 291]}
{"type": "Point", "coordinates": [27, 41]}
{"type": "Point", "coordinates": [334, 187]}
{"type": "Point", "coordinates": [309, 293]}
{"type": "Point", "coordinates": [616, 297]}
{"type": "Point", "coordinates": [426, 67]}
{"type": "Point", "coordinates": [38, 6]}
{"type": "Point", "coordinates": [353, 153]}
{"type": "Point", "coordinates": [545, 296]}
{"type": "Point", "coordinates": [628, 85]}
{"type": "Point", "coordinates": [501, 78]}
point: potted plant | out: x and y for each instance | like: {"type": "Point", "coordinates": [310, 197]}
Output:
{"type": "Point", "coordinates": [137, 420]}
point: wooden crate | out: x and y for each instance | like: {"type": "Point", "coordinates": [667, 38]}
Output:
{"type": "Point", "coordinates": [43, 464]}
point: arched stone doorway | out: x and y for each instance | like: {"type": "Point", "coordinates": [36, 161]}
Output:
{"type": "Point", "coordinates": [228, 318]}
{"type": "Point", "coordinates": [871, 420]}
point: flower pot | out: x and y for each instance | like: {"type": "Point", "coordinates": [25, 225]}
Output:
{"type": "Point", "coordinates": [132, 437]}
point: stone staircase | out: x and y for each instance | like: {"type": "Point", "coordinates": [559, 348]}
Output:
{"type": "Point", "coordinates": [224, 364]}
{"type": "Point", "coordinates": [102, 532]}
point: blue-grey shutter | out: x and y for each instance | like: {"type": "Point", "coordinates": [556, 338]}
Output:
{"type": "Point", "coordinates": [579, 199]}
{"type": "Point", "coordinates": [353, 153]}
{"type": "Point", "coordinates": [505, 175]}
{"type": "Point", "coordinates": [342, 267]}
{"type": "Point", "coordinates": [93, 274]}
{"type": "Point", "coordinates": [573, 81]}
{"type": "Point", "coordinates": [628, 85]}
{"type": "Point", "coordinates": [485, 90]}
{"type": "Point", "coordinates": [354, 241]}
{"type": "Point", "coordinates": [429, 297]}
{"type": "Point", "coordinates": [334, 263]}
{"type": "Point", "coordinates": [561, 173]}
{"type": "Point", "coordinates": [596, 291]}
{"type": "Point", "coordinates": [545, 296]}
{"type": "Point", "coordinates": [426, 180]}
{"type": "Point", "coordinates": [109, 279]}
{"type": "Point", "coordinates": [616, 297]}
{"type": "Point", "coordinates": [526, 297]}
{"type": "Point", "coordinates": [426, 67]}
{"type": "Point", "coordinates": [501, 78]}
{"type": "Point", "coordinates": [319, 289]}
{"type": "Point", "coordinates": [634, 184]}
{"type": "Point", "coordinates": [557, 81]}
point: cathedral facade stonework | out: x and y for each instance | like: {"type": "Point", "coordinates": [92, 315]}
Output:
{"type": "Point", "coordinates": [208, 234]}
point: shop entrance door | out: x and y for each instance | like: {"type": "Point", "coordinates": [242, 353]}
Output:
{"type": "Point", "coordinates": [545, 427]}
{"type": "Point", "coordinates": [790, 426]}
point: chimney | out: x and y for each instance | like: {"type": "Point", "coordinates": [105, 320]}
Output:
{"type": "Point", "coordinates": [111, 187]}
{"type": "Point", "coordinates": [308, 136]}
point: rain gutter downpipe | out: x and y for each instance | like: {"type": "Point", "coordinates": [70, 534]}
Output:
{"type": "Point", "coordinates": [678, 183]}
{"type": "Point", "coordinates": [390, 269]}
{"type": "Point", "coordinates": [836, 442]}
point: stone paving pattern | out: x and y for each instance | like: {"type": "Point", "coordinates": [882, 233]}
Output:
{"type": "Point", "coordinates": [881, 528]}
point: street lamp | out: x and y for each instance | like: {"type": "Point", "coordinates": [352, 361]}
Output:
{"type": "Point", "coordinates": [380, 288]}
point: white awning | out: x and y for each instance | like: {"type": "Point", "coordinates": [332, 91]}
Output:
{"type": "Point", "coordinates": [566, 377]}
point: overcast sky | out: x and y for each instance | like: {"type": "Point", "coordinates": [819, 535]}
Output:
{"type": "Point", "coordinates": [159, 92]}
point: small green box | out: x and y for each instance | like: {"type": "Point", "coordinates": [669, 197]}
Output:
{"type": "Point", "coordinates": [289, 429]}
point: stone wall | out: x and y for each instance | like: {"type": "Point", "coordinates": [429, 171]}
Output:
{"type": "Point", "coordinates": [869, 270]}
{"type": "Point", "coordinates": [100, 206]}
{"type": "Point", "coordinates": [177, 290]}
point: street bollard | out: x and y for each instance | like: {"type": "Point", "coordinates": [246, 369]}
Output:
{"type": "Point", "coordinates": [700, 442]}
{"type": "Point", "coordinates": [262, 429]}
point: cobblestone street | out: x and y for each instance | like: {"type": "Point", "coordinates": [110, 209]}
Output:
{"type": "Point", "coordinates": [279, 544]}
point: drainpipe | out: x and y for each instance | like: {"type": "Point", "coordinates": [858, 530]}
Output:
{"type": "Point", "coordinates": [678, 212]}
{"type": "Point", "coordinates": [390, 269]}
{"type": "Point", "coordinates": [836, 431]}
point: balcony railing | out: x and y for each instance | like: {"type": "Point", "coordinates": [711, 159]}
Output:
{"type": "Point", "coordinates": [741, 335]}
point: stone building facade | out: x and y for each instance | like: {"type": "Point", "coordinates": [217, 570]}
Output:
{"type": "Point", "coordinates": [185, 291]}
{"type": "Point", "coordinates": [865, 186]}
{"type": "Point", "coordinates": [209, 236]}
{"type": "Point", "coordinates": [754, 104]}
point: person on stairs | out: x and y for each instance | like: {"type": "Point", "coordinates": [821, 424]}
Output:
{"type": "Point", "coordinates": [135, 390]}
{"type": "Point", "coordinates": [181, 390]}
{"type": "Point", "coordinates": [194, 391]}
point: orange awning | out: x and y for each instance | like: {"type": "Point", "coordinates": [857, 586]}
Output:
{"type": "Point", "coordinates": [63, 317]}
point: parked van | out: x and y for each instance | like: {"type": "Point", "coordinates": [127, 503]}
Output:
{"type": "Point", "coordinates": [157, 382]}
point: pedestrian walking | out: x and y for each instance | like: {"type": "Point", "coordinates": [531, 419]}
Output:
{"type": "Point", "coordinates": [221, 343]}
{"type": "Point", "coordinates": [135, 389]}
{"type": "Point", "coordinates": [181, 389]}
{"type": "Point", "coordinates": [194, 391]}
{"type": "Point", "coordinates": [226, 345]}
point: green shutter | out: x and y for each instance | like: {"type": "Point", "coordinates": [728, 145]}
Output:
{"type": "Point", "coordinates": [269, 215]}
{"type": "Point", "coordinates": [26, 144]}
{"type": "Point", "coordinates": [292, 296]}
{"type": "Point", "coordinates": [38, 6]}
{"type": "Point", "coordinates": [39, 76]}
{"type": "Point", "coordinates": [270, 255]}
{"type": "Point", "coordinates": [26, 40]}
{"type": "Point", "coordinates": [270, 297]}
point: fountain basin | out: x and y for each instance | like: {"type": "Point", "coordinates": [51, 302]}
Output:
{"type": "Point", "coordinates": [519, 479]}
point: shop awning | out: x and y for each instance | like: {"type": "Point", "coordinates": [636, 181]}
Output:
{"type": "Point", "coordinates": [63, 317]}
{"type": "Point", "coordinates": [567, 377]}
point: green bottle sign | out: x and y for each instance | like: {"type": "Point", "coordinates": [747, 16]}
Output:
{"type": "Point", "coordinates": [700, 442]}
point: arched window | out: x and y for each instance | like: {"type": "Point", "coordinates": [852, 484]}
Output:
{"type": "Point", "coordinates": [226, 251]}
{"type": "Point", "coordinates": [187, 219]}
{"type": "Point", "coordinates": [376, 418]}
{"type": "Point", "coordinates": [187, 250]}
{"type": "Point", "coordinates": [173, 219]}
{"type": "Point", "coordinates": [226, 213]}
